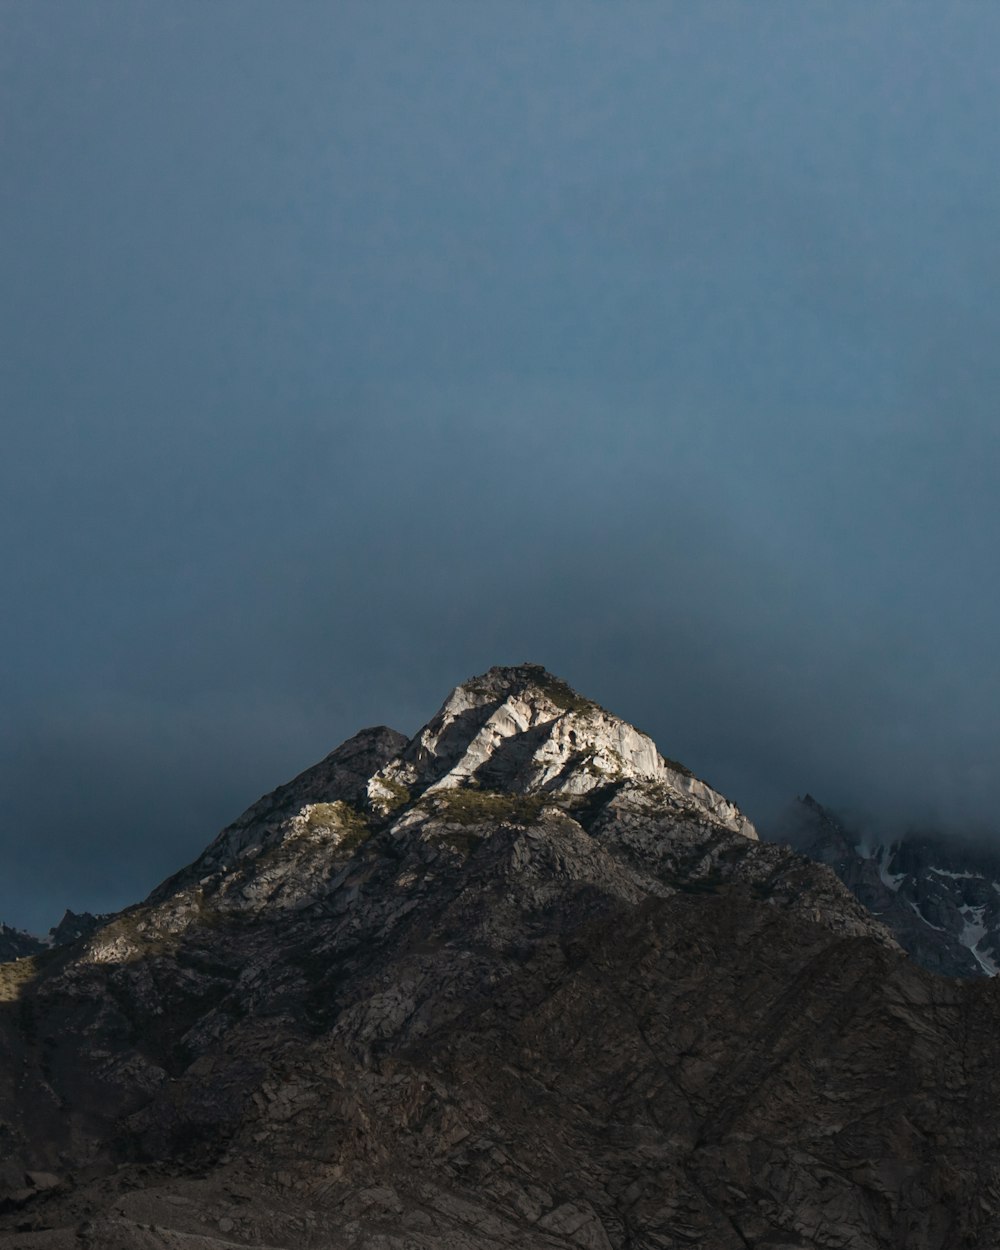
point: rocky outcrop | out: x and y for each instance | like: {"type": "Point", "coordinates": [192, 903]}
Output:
{"type": "Point", "coordinates": [74, 926]}
{"type": "Point", "coordinates": [521, 730]}
{"type": "Point", "coordinates": [16, 944]}
{"type": "Point", "coordinates": [519, 981]}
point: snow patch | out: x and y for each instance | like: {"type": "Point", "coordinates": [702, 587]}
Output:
{"type": "Point", "coordinates": [920, 916]}
{"type": "Point", "coordinates": [891, 879]}
{"type": "Point", "coordinates": [973, 932]}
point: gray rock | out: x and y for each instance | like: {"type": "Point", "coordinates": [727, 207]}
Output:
{"type": "Point", "coordinates": [517, 982]}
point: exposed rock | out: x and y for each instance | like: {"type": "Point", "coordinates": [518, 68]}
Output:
{"type": "Point", "coordinates": [522, 730]}
{"type": "Point", "coordinates": [42, 1180]}
{"type": "Point", "coordinates": [72, 927]}
{"type": "Point", "coordinates": [517, 982]}
{"type": "Point", "coordinates": [16, 944]}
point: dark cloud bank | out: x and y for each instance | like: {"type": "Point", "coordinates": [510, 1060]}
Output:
{"type": "Point", "coordinates": [349, 350]}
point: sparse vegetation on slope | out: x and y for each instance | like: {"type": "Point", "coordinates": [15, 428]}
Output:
{"type": "Point", "coordinates": [393, 795]}
{"type": "Point", "coordinates": [339, 816]}
{"type": "Point", "coordinates": [559, 693]}
{"type": "Point", "coordinates": [476, 807]}
{"type": "Point", "coordinates": [15, 975]}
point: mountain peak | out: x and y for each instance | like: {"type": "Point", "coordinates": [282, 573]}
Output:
{"type": "Point", "coordinates": [514, 730]}
{"type": "Point", "coordinates": [522, 730]}
{"type": "Point", "coordinates": [529, 681]}
{"type": "Point", "coordinates": [336, 1023]}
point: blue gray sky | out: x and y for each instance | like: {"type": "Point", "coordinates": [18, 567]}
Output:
{"type": "Point", "coordinates": [349, 349]}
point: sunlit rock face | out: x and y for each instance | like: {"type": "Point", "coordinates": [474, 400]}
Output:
{"type": "Point", "coordinates": [515, 731]}
{"type": "Point", "coordinates": [521, 730]}
{"type": "Point", "coordinates": [518, 981]}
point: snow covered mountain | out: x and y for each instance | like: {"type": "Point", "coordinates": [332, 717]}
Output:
{"type": "Point", "coordinates": [939, 895]}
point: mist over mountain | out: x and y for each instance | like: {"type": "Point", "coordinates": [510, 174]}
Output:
{"type": "Point", "coordinates": [353, 347]}
{"type": "Point", "coordinates": [349, 348]}
{"type": "Point", "coordinates": [518, 979]}
{"type": "Point", "coordinates": [938, 893]}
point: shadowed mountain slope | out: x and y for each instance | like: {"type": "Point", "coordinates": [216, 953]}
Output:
{"type": "Point", "coordinates": [518, 981]}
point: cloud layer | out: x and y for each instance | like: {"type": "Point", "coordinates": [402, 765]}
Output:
{"type": "Point", "coordinates": [351, 350]}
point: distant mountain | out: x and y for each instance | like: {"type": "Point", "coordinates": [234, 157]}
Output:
{"type": "Point", "coordinates": [939, 895]}
{"type": "Point", "coordinates": [15, 943]}
{"type": "Point", "coordinates": [74, 926]}
{"type": "Point", "coordinates": [519, 981]}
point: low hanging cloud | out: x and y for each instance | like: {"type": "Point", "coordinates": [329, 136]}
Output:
{"type": "Point", "coordinates": [402, 344]}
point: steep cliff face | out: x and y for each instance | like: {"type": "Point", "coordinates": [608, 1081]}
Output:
{"type": "Point", "coordinates": [517, 981]}
{"type": "Point", "coordinates": [938, 895]}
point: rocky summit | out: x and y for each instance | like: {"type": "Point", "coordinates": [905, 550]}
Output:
{"type": "Point", "coordinates": [518, 981]}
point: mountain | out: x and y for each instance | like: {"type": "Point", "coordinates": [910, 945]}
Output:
{"type": "Point", "coordinates": [15, 943]}
{"type": "Point", "coordinates": [939, 895]}
{"type": "Point", "coordinates": [518, 981]}
{"type": "Point", "coordinates": [74, 926]}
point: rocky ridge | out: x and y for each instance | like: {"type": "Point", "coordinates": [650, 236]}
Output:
{"type": "Point", "coordinates": [18, 944]}
{"type": "Point", "coordinates": [516, 981]}
{"type": "Point", "coordinates": [15, 943]}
